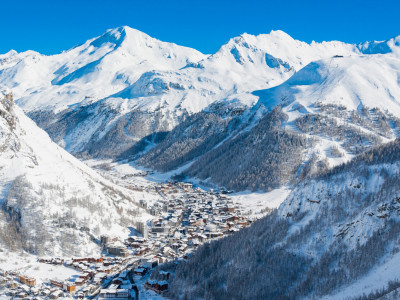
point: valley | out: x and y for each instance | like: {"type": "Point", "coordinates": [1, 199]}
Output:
{"type": "Point", "coordinates": [132, 168]}
{"type": "Point", "coordinates": [177, 218]}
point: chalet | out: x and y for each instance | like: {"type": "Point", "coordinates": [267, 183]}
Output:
{"type": "Point", "coordinates": [45, 292]}
{"type": "Point", "coordinates": [149, 262]}
{"type": "Point", "coordinates": [197, 222]}
{"type": "Point", "coordinates": [243, 222]}
{"type": "Point", "coordinates": [22, 295]}
{"type": "Point", "coordinates": [98, 278]}
{"type": "Point", "coordinates": [80, 281]}
{"type": "Point", "coordinates": [56, 294]}
{"type": "Point", "coordinates": [86, 291]}
{"type": "Point", "coordinates": [52, 261]}
{"type": "Point", "coordinates": [232, 219]}
{"type": "Point", "coordinates": [35, 291]}
{"type": "Point", "coordinates": [56, 283]}
{"type": "Point", "coordinates": [157, 286]}
{"type": "Point", "coordinates": [140, 271]}
{"type": "Point", "coordinates": [95, 260]}
{"type": "Point", "coordinates": [27, 280]}
{"type": "Point", "coordinates": [108, 270]}
{"type": "Point", "coordinates": [69, 287]}
{"type": "Point", "coordinates": [201, 237]}
{"type": "Point", "coordinates": [175, 246]}
{"type": "Point", "coordinates": [78, 260]}
{"type": "Point", "coordinates": [114, 293]}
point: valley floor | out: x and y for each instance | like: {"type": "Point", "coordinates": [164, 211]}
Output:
{"type": "Point", "coordinates": [177, 218]}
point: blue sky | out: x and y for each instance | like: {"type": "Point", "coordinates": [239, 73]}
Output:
{"type": "Point", "coordinates": [52, 26]}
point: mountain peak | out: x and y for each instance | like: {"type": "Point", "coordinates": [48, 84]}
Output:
{"type": "Point", "coordinates": [118, 35]}
{"type": "Point", "coordinates": [280, 34]}
{"type": "Point", "coordinates": [114, 36]}
{"type": "Point", "coordinates": [10, 53]}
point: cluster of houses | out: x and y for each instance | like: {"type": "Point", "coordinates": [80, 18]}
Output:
{"type": "Point", "coordinates": [157, 286]}
{"type": "Point", "coordinates": [121, 287]}
{"type": "Point", "coordinates": [94, 273]}
{"type": "Point", "coordinates": [188, 217]}
{"type": "Point", "coordinates": [21, 287]}
{"type": "Point", "coordinates": [183, 220]}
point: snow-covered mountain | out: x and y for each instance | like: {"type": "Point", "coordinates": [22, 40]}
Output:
{"type": "Point", "coordinates": [96, 69]}
{"type": "Point", "coordinates": [353, 82]}
{"type": "Point", "coordinates": [127, 95]}
{"type": "Point", "coordinates": [334, 237]}
{"type": "Point", "coordinates": [52, 203]}
{"type": "Point", "coordinates": [125, 89]}
{"type": "Point", "coordinates": [327, 112]}
{"type": "Point", "coordinates": [263, 112]}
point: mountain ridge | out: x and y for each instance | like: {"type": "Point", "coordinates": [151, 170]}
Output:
{"type": "Point", "coordinates": [51, 203]}
{"type": "Point", "coordinates": [97, 105]}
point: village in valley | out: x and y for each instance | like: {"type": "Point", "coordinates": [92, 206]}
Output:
{"type": "Point", "coordinates": [182, 218]}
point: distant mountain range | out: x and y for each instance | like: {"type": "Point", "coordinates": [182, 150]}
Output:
{"type": "Point", "coordinates": [125, 95]}
{"type": "Point", "coordinates": [266, 111]}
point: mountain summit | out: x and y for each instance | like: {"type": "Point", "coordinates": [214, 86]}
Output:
{"type": "Point", "coordinates": [126, 95]}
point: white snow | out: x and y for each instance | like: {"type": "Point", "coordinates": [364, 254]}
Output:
{"type": "Point", "coordinates": [254, 203]}
{"type": "Point", "coordinates": [126, 70]}
{"type": "Point", "coordinates": [377, 278]}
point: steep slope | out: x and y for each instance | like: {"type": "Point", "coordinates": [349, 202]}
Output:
{"type": "Point", "coordinates": [337, 108]}
{"type": "Point", "coordinates": [353, 82]}
{"type": "Point", "coordinates": [226, 152]}
{"type": "Point", "coordinates": [126, 95]}
{"type": "Point", "coordinates": [331, 231]}
{"type": "Point", "coordinates": [50, 202]}
{"type": "Point", "coordinates": [98, 68]}
{"type": "Point", "coordinates": [110, 85]}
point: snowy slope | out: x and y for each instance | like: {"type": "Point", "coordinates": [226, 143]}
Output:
{"type": "Point", "coordinates": [120, 95]}
{"type": "Point", "coordinates": [97, 68]}
{"type": "Point", "coordinates": [335, 236]}
{"type": "Point", "coordinates": [353, 82]}
{"type": "Point", "coordinates": [111, 84]}
{"type": "Point", "coordinates": [337, 107]}
{"type": "Point", "coordinates": [58, 203]}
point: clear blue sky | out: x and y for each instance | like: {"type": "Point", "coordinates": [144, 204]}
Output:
{"type": "Point", "coordinates": [52, 26]}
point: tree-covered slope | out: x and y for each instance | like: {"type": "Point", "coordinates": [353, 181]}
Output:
{"type": "Point", "coordinates": [331, 232]}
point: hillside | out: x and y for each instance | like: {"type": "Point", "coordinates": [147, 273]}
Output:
{"type": "Point", "coordinates": [51, 203]}
{"type": "Point", "coordinates": [329, 111]}
{"type": "Point", "coordinates": [332, 232]}
{"type": "Point", "coordinates": [120, 93]}
{"type": "Point", "coordinates": [124, 127]}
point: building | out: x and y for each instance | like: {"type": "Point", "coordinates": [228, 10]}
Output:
{"type": "Point", "coordinates": [143, 203]}
{"type": "Point", "coordinates": [69, 287]}
{"type": "Point", "coordinates": [104, 239]}
{"type": "Point", "coordinates": [114, 293]}
{"type": "Point", "coordinates": [159, 229]}
{"type": "Point", "coordinates": [142, 228]}
{"type": "Point", "coordinates": [27, 280]}
{"type": "Point", "coordinates": [157, 286]}
{"type": "Point", "coordinates": [140, 271]}
{"type": "Point", "coordinates": [117, 250]}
